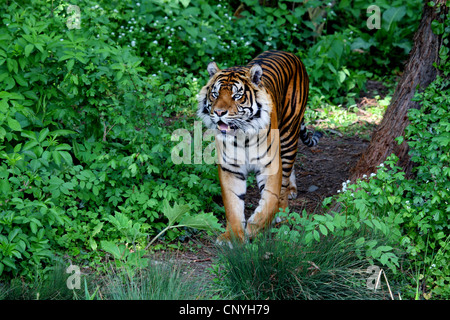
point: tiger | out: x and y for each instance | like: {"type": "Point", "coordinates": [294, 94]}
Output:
{"type": "Point", "coordinates": [257, 111]}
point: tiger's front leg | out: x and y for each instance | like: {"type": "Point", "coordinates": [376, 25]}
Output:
{"type": "Point", "coordinates": [233, 185]}
{"type": "Point", "coordinates": [269, 182]}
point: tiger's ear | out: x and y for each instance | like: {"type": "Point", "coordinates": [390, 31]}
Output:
{"type": "Point", "coordinates": [256, 74]}
{"type": "Point", "coordinates": [212, 68]}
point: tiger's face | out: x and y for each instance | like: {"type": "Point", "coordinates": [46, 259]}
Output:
{"type": "Point", "coordinates": [234, 99]}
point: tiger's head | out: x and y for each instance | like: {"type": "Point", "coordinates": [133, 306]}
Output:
{"type": "Point", "coordinates": [235, 99]}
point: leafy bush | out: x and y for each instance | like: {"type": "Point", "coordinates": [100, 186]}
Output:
{"type": "Point", "coordinates": [328, 63]}
{"type": "Point", "coordinates": [426, 223]}
{"type": "Point", "coordinates": [71, 159]}
{"type": "Point", "coordinates": [417, 209]}
{"type": "Point", "coordinates": [385, 48]}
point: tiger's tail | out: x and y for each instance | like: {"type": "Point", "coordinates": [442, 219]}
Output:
{"type": "Point", "coordinates": [306, 139]}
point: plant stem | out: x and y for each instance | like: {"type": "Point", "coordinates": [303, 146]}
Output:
{"type": "Point", "coordinates": [159, 234]}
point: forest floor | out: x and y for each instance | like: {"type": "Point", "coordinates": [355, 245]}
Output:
{"type": "Point", "coordinates": [320, 172]}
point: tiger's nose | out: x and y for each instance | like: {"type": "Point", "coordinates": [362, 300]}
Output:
{"type": "Point", "coordinates": [220, 112]}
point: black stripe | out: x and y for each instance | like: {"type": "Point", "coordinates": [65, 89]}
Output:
{"type": "Point", "coordinates": [241, 196]}
{"type": "Point", "coordinates": [261, 187]}
{"type": "Point", "coordinates": [238, 175]}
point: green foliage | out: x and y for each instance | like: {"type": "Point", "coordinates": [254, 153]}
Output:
{"type": "Point", "coordinates": [386, 47]}
{"type": "Point", "coordinates": [416, 210]}
{"type": "Point", "coordinates": [178, 216]}
{"type": "Point", "coordinates": [339, 57]}
{"type": "Point", "coordinates": [327, 63]}
{"type": "Point", "coordinates": [427, 224]}
{"type": "Point", "coordinates": [373, 237]}
{"type": "Point", "coordinates": [71, 161]}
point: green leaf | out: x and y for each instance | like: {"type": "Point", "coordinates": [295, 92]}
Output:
{"type": "Point", "coordinates": [57, 157]}
{"type": "Point", "coordinates": [392, 15]}
{"type": "Point", "coordinates": [28, 49]}
{"type": "Point", "coordinates": [5, 188]}
{"type": "Point", "coordinates": [316, 235]}
{"type": "Point", "coordinates": [443, 139]}
{"type": "Point", "coordinates": [341, 76]}
{"type": "Point", "coordinates": [174, 213]}
{"type": "Point", "coordinates": [10, 83]}
{"type": "Point", "coordinates": [111, 248]}
{"type": "Point", "coordinates": [97, 229]}
{"type": "Point", "coordinates": [33, 227]}
{"type": "Point", "coordinates": [14, 124]}
{"type": "Point", "coordinates": [95, 190]}
{"type": "Point", "coordinates": [384, 248]}
{"type": "Point", "coordinates": [12, 95]}
{"type": "Point", "coordinates": [360, 241]}
{"type": "Point", "coordinates": [4, 106]}
{"type": "Point", "coordinates": [185, 3]}
{"type": "Point", "coordinates": [203, 221]}
{"type": "Point", "coordinates": [437, 27]}
{"type": "Point", "coordinates": [43, 134]}
{"type": "Point", "coordinates": [12, 65]}
{"type": "Point", "coordinates": [29, 134]}
{"type": "Point", "coordinates": [9, 262]}
{"type": "Point", "coordinates": [320, 218]}
{"type": "Point", "coordinates": [39, 47]}
{"type": "Point", "coordinates": [70, 64]}
{"type": "Point", "coordinates": [62, 132]}
{"type": "Point", "coordinates": [392, 199]}
{"type": "Point", "coordinates": [20, 80]}
{"type": "Point", "coordinates": [323, 229]}
{"type": "Point", "coordinates": [192, 31]}
{"type": "Point", "coordinates": [92, 243]}
{"type": "Point", "coordinates": [330, 225]}
{"type": "Point", "coordinates": [384, 258]}
{"type": "Point", "coordinates": [13, 234]}
{"type": "Point", "coordinates": [67, 157]}
{"type": "Point", "coordinates": [120, 221]}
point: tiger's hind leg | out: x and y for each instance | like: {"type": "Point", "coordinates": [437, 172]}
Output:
{"type": "Point", "coordinates": [288, 187]}
{"type": "Point", "coordinates": [288, 183]}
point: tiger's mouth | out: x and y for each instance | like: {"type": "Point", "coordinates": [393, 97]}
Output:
{"type": "Point", "coordinates": [225, 128]}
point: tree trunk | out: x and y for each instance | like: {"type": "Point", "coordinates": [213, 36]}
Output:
{"type": "Point", "coordinates": [418, 74]}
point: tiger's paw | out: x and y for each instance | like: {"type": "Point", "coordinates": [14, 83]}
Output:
{"type": "Point", "coordinates": [223, 241]}
{"type": "Point", "coordinates": [292, 194]}
{"type": "Point", "coordinates": [253, 227]}
{"type": "Point", "coordinates": [226, 239]}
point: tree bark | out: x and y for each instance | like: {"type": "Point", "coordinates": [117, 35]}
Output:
{"type": "Point", "coordinates": [419, 72]}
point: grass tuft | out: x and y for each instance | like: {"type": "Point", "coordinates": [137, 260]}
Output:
{"type": "Point", "coordinates": [270, 268]}
{"type": "Point", "coordinates": [158, 281]}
